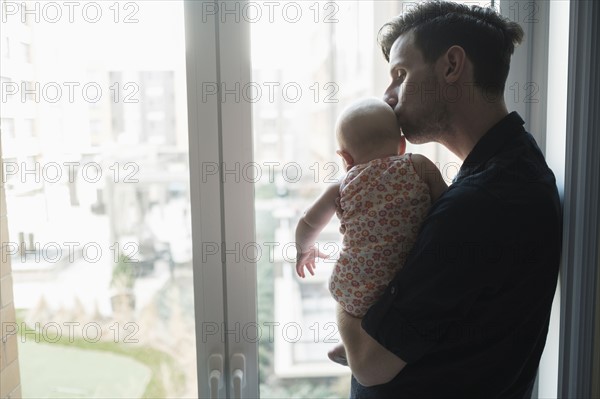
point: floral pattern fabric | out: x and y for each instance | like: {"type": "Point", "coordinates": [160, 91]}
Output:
{"type": "Point", "coordinates": [382, 205]}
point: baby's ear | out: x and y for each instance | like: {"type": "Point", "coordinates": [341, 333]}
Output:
{"type": "Point", "coordinates": [348, 160]}
{"type": "Point", "coordinates": [402, 145]}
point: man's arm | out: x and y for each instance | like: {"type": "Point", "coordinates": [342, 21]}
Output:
{"type": "Point", "coordinates": [309, 227]}
{"type": "Point", "coordinates": [371, 363]}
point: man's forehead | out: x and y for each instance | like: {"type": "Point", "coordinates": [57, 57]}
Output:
{"type": "Point", "coordinates": [404, 50]}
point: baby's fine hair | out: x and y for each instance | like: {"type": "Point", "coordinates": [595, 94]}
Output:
{"type": "Point", "coordinates": [367, 124]}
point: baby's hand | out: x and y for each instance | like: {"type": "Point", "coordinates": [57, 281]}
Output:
{"type": "Point", "coordinates": [308, 259]}
{"type": "Point", "coordinates": [402, 145]}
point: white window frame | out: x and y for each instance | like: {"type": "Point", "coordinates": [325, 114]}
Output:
{"type": "Point", "coordinates": [579, 366]}
{"type": "Point", "coordinates": [526, 92]}
{"type": "Point", "coordinates": [223, 206]}
{"type": "Point", "coordinates": [571, 362]}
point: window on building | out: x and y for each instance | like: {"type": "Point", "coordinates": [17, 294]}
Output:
{"type": "Point", "coordinates": [7, 126]}
{"type": "Point", "coordinates": [100, 236]}
{"type": "Point", "coordinates": [5, 45]}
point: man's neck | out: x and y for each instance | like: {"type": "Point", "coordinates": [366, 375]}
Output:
{"type": "Point", "coordinates": [470, 125]}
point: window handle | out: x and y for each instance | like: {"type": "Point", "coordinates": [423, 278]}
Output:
{"type": "Point", "coordinates": [215, 375]}
{"type": "Point", "coordinates": [238, 367]}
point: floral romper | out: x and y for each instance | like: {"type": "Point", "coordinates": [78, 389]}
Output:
{"type": "Point", "coordinates": [382, 205]}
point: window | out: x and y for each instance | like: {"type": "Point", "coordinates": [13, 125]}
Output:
{"type": "Point", "coordinates": [104, 204]}
{"type": "Point", "coordinates": [100, 235]}
{"type": "Point", "coordinates": [23, 52]}
{"type": "Point", "coordinates": [5, 47]}
{"type": "Point", "coordinates": [283, 130]}
{"type": "Point", "coordinates": [28, 127]}
{"type": "Point", "coordinates": [310, 53]}
{"type": "Point", "coordinates": [7, 126]}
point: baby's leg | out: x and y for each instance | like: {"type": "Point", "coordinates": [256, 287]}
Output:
{"type": "Point", "coordinates": [338, 355]}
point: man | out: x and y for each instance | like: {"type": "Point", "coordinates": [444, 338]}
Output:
{"type": "Point", "coordinates": [468, 314]}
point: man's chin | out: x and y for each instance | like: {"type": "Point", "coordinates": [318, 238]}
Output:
{"type": "Point", "coordinates": [416, 135]}
{"type": "Point", "coordinates": [410, 135]}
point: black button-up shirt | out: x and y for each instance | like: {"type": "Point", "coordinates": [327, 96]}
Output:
{"type": "Point", "coordinates": [469, 311]}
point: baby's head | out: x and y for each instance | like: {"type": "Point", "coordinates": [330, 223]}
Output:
{"type": "Point", "coordinates": [367, 130]}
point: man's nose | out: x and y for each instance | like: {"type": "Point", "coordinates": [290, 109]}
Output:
{"type": "Point", "coordinates": [390, 96]}
{"type": "Point", "coordinates": [391, 99]}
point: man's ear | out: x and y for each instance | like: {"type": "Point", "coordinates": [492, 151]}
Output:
{"type": "Point", "coordinates": [348, 160]}
{"type": "Point", "coordinates": [454, 63]}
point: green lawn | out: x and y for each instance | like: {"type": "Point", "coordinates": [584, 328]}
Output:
{"type": "Point", "coordinates": [103, 369]}
{"type": "Point", "coordinates": [57, 371]}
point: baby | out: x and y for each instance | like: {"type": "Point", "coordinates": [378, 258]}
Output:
{"type": "Point", "coordinates": [383, 198]}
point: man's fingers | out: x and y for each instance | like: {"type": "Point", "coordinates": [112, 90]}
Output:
{"type": "Point", "coordinates": [337, 358]}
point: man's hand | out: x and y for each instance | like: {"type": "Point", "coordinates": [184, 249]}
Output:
{"type": "Point", "coordinates": [338, 355]}
{"type": "Point", "coordinates": [370, 363]}
{"type": "Point", "coordinates": [307, 259]}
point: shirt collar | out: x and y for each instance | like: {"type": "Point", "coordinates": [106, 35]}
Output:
{"type": "Point", "coordinates": [491, 142]}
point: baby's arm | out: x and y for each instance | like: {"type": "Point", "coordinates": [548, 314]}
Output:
{"type": "Point", "coordinates": [309, 227]}
{"type": "Point", "coordinates": [430, 174]}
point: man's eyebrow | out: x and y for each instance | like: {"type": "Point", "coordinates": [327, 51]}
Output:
{"type": "Point", "coordinates": [398, 63]}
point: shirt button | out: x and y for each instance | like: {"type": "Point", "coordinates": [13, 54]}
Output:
{"type": "Point", "coordinates": [393, 290]}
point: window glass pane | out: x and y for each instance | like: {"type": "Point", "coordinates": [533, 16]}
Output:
{"type": "Point", "coordinates": [310, 60]}
{"type": "Point", "coordinates": [97, 184]}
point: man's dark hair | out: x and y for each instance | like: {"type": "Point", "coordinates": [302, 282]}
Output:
{"type": "Point", "coordinates": [487, 38]}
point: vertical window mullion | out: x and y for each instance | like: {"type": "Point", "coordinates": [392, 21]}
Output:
{"type": "Point", "coordinates": [238, 187]}
{"type": "Point", "coordinates": [205, 190]}
{"type": "Point", "coordinates": [579, 273]}
{"type": "Point", "coordinates": [225, 252]}
{"type": "Point", "coordinates": [527, 88]}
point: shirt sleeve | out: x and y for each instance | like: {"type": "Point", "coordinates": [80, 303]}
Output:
{"type": "Point", "coordinates": [449, 266]}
